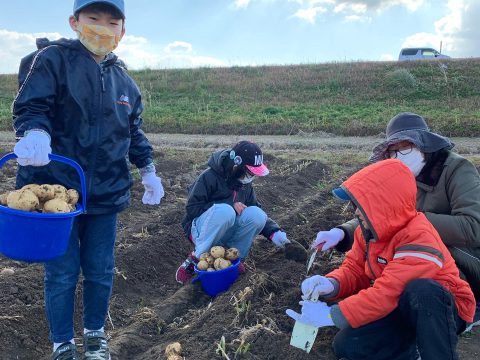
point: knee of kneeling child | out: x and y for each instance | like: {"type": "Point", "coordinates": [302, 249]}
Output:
{"type": "Point", "coordinates": [420, 290]}
{"type": "Point", "coordinates": [419, 286]}
{"type": "Point", "coordinates": [225, 213]}
{"type": "Point", "coordinates": [342, 345]}
{"type": "Point", "coordinates": [255, 216]}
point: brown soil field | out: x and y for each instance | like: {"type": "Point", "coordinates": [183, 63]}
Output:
{"type": "Point", "coordinates": [149, 310]}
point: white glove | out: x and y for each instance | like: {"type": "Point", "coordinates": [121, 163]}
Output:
{"type": "Point", "coordinates": [279, 238]}
{"type": "Point", "coordinates": [316, 286]}
{"type": "Point", "coordinates": [315, 313]}
{"type": "Point", "coordinates": [153, 189]}
{"type": "Point", "coordinates": [327, 239]}
{"type": "Point", "coordinates": [33, 148]}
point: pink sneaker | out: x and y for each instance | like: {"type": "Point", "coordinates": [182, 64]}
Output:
{"type": "Point", "coordinates": [241, 268]}
{"type": "Point", "coordinates": [186, 271]}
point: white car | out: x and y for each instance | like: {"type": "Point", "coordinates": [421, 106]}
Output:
{"type": "Point", "coordinates": [420, 54]}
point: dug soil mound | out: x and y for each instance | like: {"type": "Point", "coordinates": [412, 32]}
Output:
{"type": "Point", "coordinates": [149, 310]}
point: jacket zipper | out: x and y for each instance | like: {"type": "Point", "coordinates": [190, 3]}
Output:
{"type": "Point", "coordinates": [368, 259]}
{"type": "Point", "coordinates": [97, 128]}
{"type": "Point", "coordinates": [367, 236]}
{"type": "Point", "coordinates": [101, 77]}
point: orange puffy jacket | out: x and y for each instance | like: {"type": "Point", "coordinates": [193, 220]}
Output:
{"type": "Point", "coordinates": [404, 246]}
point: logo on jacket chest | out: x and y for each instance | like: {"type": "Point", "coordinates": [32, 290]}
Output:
{"type": "Point", "coordinates": [382, 260]}
{"type": "Point", "coordinates": [123, 101]}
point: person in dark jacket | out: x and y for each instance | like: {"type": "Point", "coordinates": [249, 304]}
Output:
{"type": "Point", "coordinates": [448, 193]}
{"type": "Point", "coordinates": [222, 208]}
{"type": "Point", "coordinates": [77, 100]}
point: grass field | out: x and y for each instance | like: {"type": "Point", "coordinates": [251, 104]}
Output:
{"type": "Point", "coordinates": [341, 98]}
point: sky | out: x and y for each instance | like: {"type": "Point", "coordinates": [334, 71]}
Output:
{"type": "Point", "coordinates": [192, 33]}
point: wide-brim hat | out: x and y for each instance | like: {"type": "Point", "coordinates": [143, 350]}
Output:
{"type": "Point", "coordinates": [410, 127]}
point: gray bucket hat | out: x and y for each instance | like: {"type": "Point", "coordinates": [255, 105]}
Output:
{"type": "Point", "coordinates": [410, 127]}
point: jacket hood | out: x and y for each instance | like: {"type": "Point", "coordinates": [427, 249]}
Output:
{"type": "Point", "coordinates": [220, 162]}
{"type": "Point", "coordinates": [385, 192]}
{"type": "Point", "coordinates": [76, 45]}
{"type": "Point", "coordinates": [69, 43]}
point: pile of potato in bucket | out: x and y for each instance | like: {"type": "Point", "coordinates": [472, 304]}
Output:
{"type": "Point", "coordinates": [218, 258]}
{"type": "Point", "coordinates": [44, 198]}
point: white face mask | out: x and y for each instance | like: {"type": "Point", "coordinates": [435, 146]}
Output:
{"type": "Point", "coordinates": [247, 179]}
{"type": "Point", "coordinates": [414, 160]}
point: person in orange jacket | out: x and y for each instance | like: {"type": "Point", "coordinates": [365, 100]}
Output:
{"type": "Point", "coordinates": [398, 288]}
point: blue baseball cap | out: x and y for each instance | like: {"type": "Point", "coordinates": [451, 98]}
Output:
{"type": "Point", "coordinates": [118, 4]}
{"type": "Point", "coordinates": [341, 194]}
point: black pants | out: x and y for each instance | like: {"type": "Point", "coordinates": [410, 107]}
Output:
{"type": "Point", "coordinates": [468, 262]}
{"type": "Point", "coordinates": [426, 317]}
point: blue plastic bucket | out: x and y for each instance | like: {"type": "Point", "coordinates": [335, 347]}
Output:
{"type": "Point", "coordinates": [215, 282]}
{"type": "Point", "coordinates": [38, 237]}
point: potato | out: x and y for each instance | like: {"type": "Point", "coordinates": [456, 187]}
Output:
{"type": "Point", "coordinates": [217, 252]}
{"type": "Point", "coordinates": [22, 200]}
{"type": "Point", "coordinates": [173, 349]}
{"type": "Point", "coordinates": [232, 254]}
{"type": "Point", "coordinates": [7, 272]}
{"type": "Point", "coordinates": [210, 260]}
{"type": "Point", "coordinates": [3, 199]}
{"type": "Point", "coordinates": [60, 192]}
{"type": "Point", "coordinates": [32, 187]}
{"type": "Point", "coordinates": [43, 192]}
{"type": "Point", "coordinates": [56, 206]}
{"type": "Point", "coordinates": [221, 264]}
{"type": "Point", "coordinates": [204, 256]}
{"type": "Point", "coordinates": [72, 196]}
{"type": "Point", "coordinates": [202, 265]}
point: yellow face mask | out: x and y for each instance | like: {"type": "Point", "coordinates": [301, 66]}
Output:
{"type": "Point", "coordinates": [98, 39]}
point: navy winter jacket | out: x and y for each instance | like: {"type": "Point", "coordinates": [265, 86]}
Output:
{"type": "Point", "coordinates": [92, 113]}
{"type": "Point", "coordinates": [214, 187]}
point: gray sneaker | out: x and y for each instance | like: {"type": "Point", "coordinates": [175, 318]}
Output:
{"type": "Point", "coordinates": [95, 346]}
{"type": "Point", "coordinates": [66, 351]}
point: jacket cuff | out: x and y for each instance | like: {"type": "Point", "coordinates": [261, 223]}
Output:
{"type": "Point", "coordinates": [150, 168]}
{"type": "Point", "coordinates": [269, 237]}
{"type": "Point", "coordinates": [346, 243]}
{"type": "Point", "coordinates": [25, 133]}
{"type": "Point", "coordinates": [23, 130]}
{"type": "Point", "coordinates": [336, 289]}
{"type": "Point", "coordinates": [338, 318]}
{"type": "Point", "coordinates": [142, 163]}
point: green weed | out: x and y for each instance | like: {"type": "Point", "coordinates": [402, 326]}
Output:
{"type": "Point", "coordinates": [222, 348]}
{"type": "Point", "coordinates": [341, 98]}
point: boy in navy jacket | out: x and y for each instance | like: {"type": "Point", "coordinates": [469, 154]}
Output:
{"type": "Point", "coordinates": [77, 100]}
